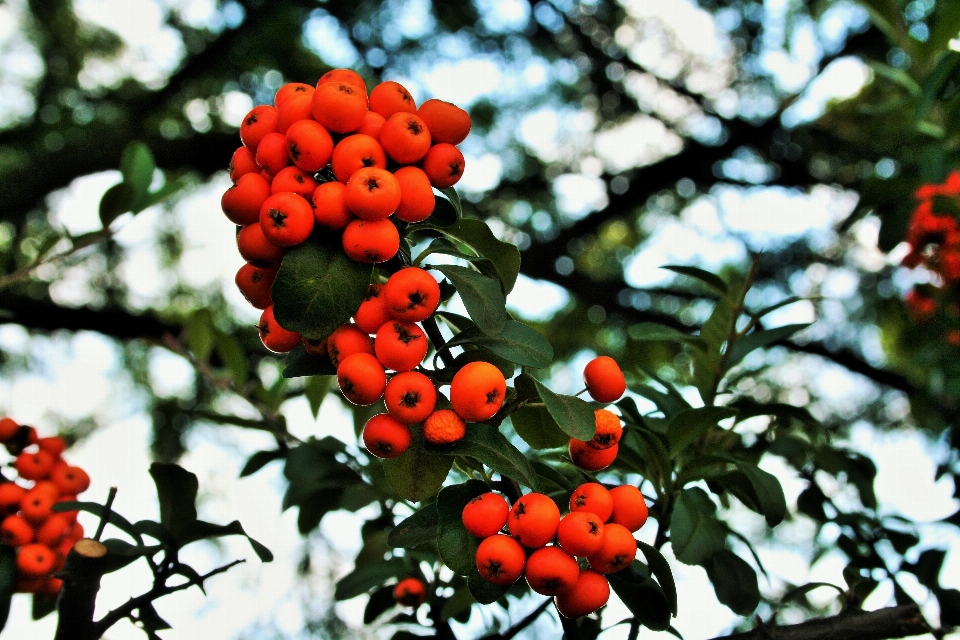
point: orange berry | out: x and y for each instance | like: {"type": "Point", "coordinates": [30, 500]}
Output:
{"type": "Point", "coordinates": [589, 458]}
{"type": "Point", "coordinates": [356, 152]}
{"type": "Point", "coordinates": [443, 165]}
{"type": "Point", "coordinates": [54, 530]}
{"type": "Point", "coordinates": [534, 520]}
{"type": "Point", "coordinates": [405, 137]}
{"type": "Point", "coordinates": [272, 154]}
{"type": "Point", "coordinates": [417, 200]}
{"type": "Point", "coordinates": [386, 437]}
{"type": "Point", "coordinates": [255, 283]}
{"type": "Point", "coordinates": [70, 480]}
{"type": "Point", "coordinates": [10, 495]}
{"type": "Point", "coordinates": [287, 219]}
{"type": "Point", "coordinates": [294, 180]}
{"type": "Point", "coordinates": [47, 487]}
{"type": "Point", "coordinates": [256, 248]}
{"type": "Point", "coordinates": [51, 587]}
{"type": "Point", "coordinates": [273, 336]}
{"type": "Point", "coordinates": [54, 445]}
{"type": "Point", "coordinates": [297, 107]}
{"type": "Point", "coordinates": [35, 559]}
{"type": "Point", "coordinates": [15, 531]}
{"type": "Point", "coordinates": [8, 429]}
{"type": "Point", "coordinates": [591, 591]}
{"type": "Point", "coordinates": [346, 340]}
{"type": "Point", "coordinates": [291, 90]}
{"type": "Point", "coordinates": [372, 313]}
{"type": "Point", "coordinates": [309, 145]}
{"type": "Point", "coordinates": [477, 391]}
{"type": "Point", "coordinates": [361, 379]}
{"type": "Point", "coordinates": [389, 97]}
{"type": "Point", "coordinates": [608, 430]}
{"type": "Point", "coordinates": [76, 533]}
{"type": "Point", "coordinates": [329, 206]}
{"type": "Point", "coordinates": [551, 571]}
{"type": "Point", "coordinates": [410, 397]}
{"type": "Point", "coordinates": [242, 162]}
{"type": "Point", "coordinates": [370, 241]}
{"type": "Point", "coordinates": [241, 203]}
{"type": "Point", "coordinates": [629, 507]}
{"type": "Point", "coordinates": [485, 515]}
{"type": "Point", "coordinates": [447, 122]}
{"type": "Point", "coordinates": [580, 533]}
{"type": "Point", "coordinates": [617, 550]}
{"type": "Point", "coordinates": [500, 560]}
{"type": "Point", "coordinates": [348, 76]}
{"type": "Point", "coordinates": [34, 466]}
{"type": "Point", "coordinates": [443, 426]}
{"type": "Point", "coordinates": [400, 346]}
{"type": "Point", "coordinates": [604, 379]}
{"type": "Point", "coordinates": [372, 122]}
{"type": "Point", "coordinates": [411, 294]}
{"type": "Point", "coordinates": [594, 498]}
{"type": "Point", "coordinates": [372, 193]}
{"type": "Point", "coordinates": [258, 122]}
{"type": "Point", "coordinates": [339, 106]}
{"type": "Point", "coordinates": [410, 592]}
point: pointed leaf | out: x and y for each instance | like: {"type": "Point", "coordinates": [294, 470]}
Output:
{"type": "Point", "coordinates": [574, 416]}
{"type": "Point", "coordinates": [451, 194]}
{"type": "Point", "coordinates": [200, 530]}
{"type": "Point", "coordinates": [315, 389]}
{"type": "Point", "coordinates": [380, 601]}
{"type": "Point", "coordinates": [137, 167]}
{"type": "Point", "coordinates": [43, 605]}
{"type": "Point", "coordinates": [653, 332]}
{"type": "Point", "coordinates": [489, 446]}
{"type": "Point", "coordinates": [537, 428]}
{"type": "Point", "coordinates": [734, 581]}
{"type": "Point", "coordinates": [690, 425]}
{"type": "Point", "coordinates": [504, 256]}
{"type": "Point", "coordinates": [456, 546]}
{"type": "Point", "coordinates": [417, 474]}
{"type": "Point", "coordinates": [233, 357]}
{"type": "Point", "coordinates": [642, 596]}
{"type": "Point", "coordinates": [177, 494]}
{"type": "Point", "coordinates": [661, 570]}
{"type": "Point", "coordinates": [803, 590]}
{"type": "Point", "coordinates": [694, 532]}
{"type": "Point", "coordinates": [713, 281]}
{"type": "Point", "coordinates": [259, 460]}
{"type": "Point", "coordinates": [767, 490]}
{"type": "Point", "coordinates": [518, 343]}
{"type": "Point", "coordinates": [116, 201]}
{"type": "Point", "coordinates": [368, 576]}
{"type": "Point", "coordinates": [417, 529]}
{"type": "Point", "coordinates": [300, 363]}
{"type": "Point", "coordinates": [96, 509]}
{"type": "Point", "coordinates": [482, 591]}
{"type": "Point", "coordinates": [761, 339]}
{"type": "Point", "coordinates": [481, 295]}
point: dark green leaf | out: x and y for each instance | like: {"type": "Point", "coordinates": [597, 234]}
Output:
{"type": "Point", "coordinates": [734, 581]}
{"type": "Point", "coordinates": [154, 530]}
{"type": "Point", "coordinates": [260, 459]}
{"type": "Point", "coordinates": [694, 531]}
{"type": "Point", "coordinates": [445, 213]}
{"type": "Point", "coordinates": [190, 574]}
{"type": "Point", "coordinates": [550, 474]}
{"type": "Point", "coordinates": [691, 425]}
{"type": "Point", "coordinates": [779, 305]}
{"type": "Point", "coordinates": [642, 596]}
{"type": "Point", "coordinates": [537, 428]}
{"type": "Point", "coordinates": [481, 295]}
{"type": "Point", "coordinates": [233, 357]}
{"type": "Point", "coordinates": [458, 605]}
{"type": "Point", "coordinates": [43, 605]}
{"type": "Point", "coordinates": [653, 332]}
{"type": "Point", "coordinates": [368, 576]}
{"type": "Point", "coordinates": [761, 339]}
{"type": "Point", "coordinates": [123, 553]}
{"type": "Point", "coordinates": [300, 363]}
{"type": "Point", "coordinates": [661, 570]}
{"type": "Point", "coordinates": [451, 194]}
{"type": "Point", "coordinates": [417, 474]}
{"type": "Point", "coordinates": [803, 590]}
{"type": "Point", "coordinates": [380, 601]}
{"type": "Point", "coordinates": [200, 332]}
{"type": "Point", "coordinates": [574, 416]}
{"type": "Point", "coordinates": [417, 529]}
{"type": "Point", "coordinates": [200, 530]}
{"type": "Point", "coordinates": [315, 389]}
{"type": "Point", "coordinates": [115, 201]}
{"type": "Point", "coordinates": [8, 575]}
{"type": "Point", "coordinates": [886, 15]}
{"type": "Point", "coordinates": [457, 547]}
{"type": "Point", "coordinates": [482, 591]}
{"type": "Point", "coordinates": [504, 256]}
{"type": "Point", "coordinates": [492, 448]}
{"type": "Point", "coordinates": [96, 509]}
{"type": "Point", "coordinates": [177, 494]}
{"type": "Point", "coordinates": [767, 489]}
{"type": "Point", "coordinates": [137, 167]}
{"type": "Point", "coordinates": [711, 280]}
{"type": "Point", "coordinates": [318, 288]}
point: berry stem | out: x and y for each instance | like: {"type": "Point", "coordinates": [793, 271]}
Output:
{"type": "Point", "coordinates": [570, 629]}
{"type": "Point", "coordinates": [105, 515]}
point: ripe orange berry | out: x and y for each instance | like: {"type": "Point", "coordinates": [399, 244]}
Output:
{"type": "Point", "coordinates": [8, 429]}
{"type": "Point", "coordinates": [258, 122]}
{"type": "Point", "coordinates": [287, 219]}
{"type": "Point", "coordinates": [551, 571]}
{"type": "Point", "coordinates": [348, 76]}
{"type": "Point", "coordinates": [361, 379]}
{"type": "Point", "coordinates": [500, 560]}
{"type": "Point", "coordinates": [417, 200]}
{"type": "Point", "coordinates": [294, 180]}
{"type": "Point", "coordinates": [386, 437]}
{"type": "Point", "coordinates": [329, 206]}
{"type": "Point", "coordinates": [629, 507]}
{"type": "Point", "coordinates": [411, 294]}
{"type": "Point", "coordinates": [35, 506]}
{"type": "Point", "coordinates": [617, 550]}
{"type": "Point", "coordinates": [70, 480]}
{"type": "Point", "coordinates": [15, 531]}
{"type": "Point", "coordinates": [34, 466]}
{"type": "Point", "coordinates": [389, 97]}
{"type": "Point", "coordinates": [290, 90]}
{"type": "Point", "coordinates": [10, 495]}
{"type": "Point", "coordinates": [372, 122]}
{"type": "Point", "coordinates": [410, 592]}
{"type": "Point", "coordinates": [447, 122]}
{"type": "Point", "coordinates": [54, 445]}
{"type": "Point", "coordinates": [372, 193]}
{"type": "Point", "coordinates": [477, 391]}
{"type": "Point", "coordinates": [371, 241]}
{"type": "Point", "coordinates": [604, 379]}
{"type": "Point", "coordinates": [48, 488]}
{"type": "Point", "coordinates": [580, 533]}
{"type": "Point", "coordinates": [405, 137]}
{"type": "Point", "coordinates": [255, 283]}
{"type": "Point", "coordinates": [297, 107]}
{"type": "Point", "coordinates": [35, 559]}
{"type": "Point", "coordinates": [346, 340]}
{"type": "Point", "coordinates": [400, 346]}
{"type": "Point", "coordinates": [256, 249]}
{"type": "Point", "coordinates": [339, 106]}
{"type": "Point", "coordinates": [309, 145]}
{"type": "Point", "coordinates": [242, 162]}
{"type": "Point", "coordinates": [356, 152]}
{"type": "Point", "coordinates": [443, 426]}
{"type": "Point", "coordinates": [372, 313]}
{"type": "Point", "coordinates": [608, 430]}
{"type": "Point", "coordinates": [591, 591]}
{"type": "Point", "coordinates": [594, 498]}
{"type": "Point", "coordinates": [485, 515]}
{"type": "Point", "coordinates": [589, 458]}
{"type": "Point", "coordinates": [443, 165]}
{"type": "Point", "coordinates": [51, 586]}
{"type": "Point", "coordinates": [54, 530]}
{"type": "Point", "coordinates": [241, 203]}
{"type": "Point", "coordinates": [273, 336]}
{"type": "Point", "coordinates": [272, 154]}
{"type": "Point", "coordinates": [534, 519]}
{"type": "Point", "coordinates": [410, 397]}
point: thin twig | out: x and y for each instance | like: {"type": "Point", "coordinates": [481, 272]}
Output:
{"type": "Point", "coordinates": [105, 515]}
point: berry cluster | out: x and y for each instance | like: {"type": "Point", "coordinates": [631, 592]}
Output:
{"type": "Point", "coordinates": [543, 547]}
{"type": "Point", "coordinates": [410, 592]}
{"type": "Point", "coordinates": [41, 537]}
{"type": "Point", "coordinates": [331, 157]}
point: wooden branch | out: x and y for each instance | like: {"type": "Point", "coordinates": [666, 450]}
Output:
{"type": "Point", "coordinates": [81, 576]}
{"type": "Point", "coordinates": [892, 622]}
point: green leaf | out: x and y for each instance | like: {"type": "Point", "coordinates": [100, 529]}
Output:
{"type": "Point", "coordinates": [518, 343]}
{"type": "Point", "coordinates": [200, 333]}
{"type": "Point", "coordinates": [380, 601]}
{"type": "Point", "coordinates": [713, 281]}
{"type": "Point", "coordinates": [318, 288]}
{"type": "Point", "coordinates": [886, 15]}
{"type": "Point", "coordinates": [481, 295]}
{"type": "Point", "coordinates": [154, 530]}
{"type": "Point", "coordinates": [42, 606]}
{"type": "Point", "coordinates": [574, 416]}
{"type": "Point", "coordinates": [368, 576]}
{"type": "Point", "coordinates": [417, 529]}
{"type": "Point", "coordinates": [316, 388]}
{"type": "Point", "coordinates": [200, 530]}
{"type": "Point", "coordinates": [734, 581]}
{"type": "Point", "coordinates": [946, 28]}
{"type": "Point", "coordinates": [548, 473]}
{"type": "Point", "coordinates": [642, 596]}
{"type": "Point", "coordinates": [537, 428]}
{"type": "Point", "coordinates": [8, 575]}
{"type": "Point", "coordinates": [802, 590]}
{"type": "Point", "coordinates": [177, 494]}
{"type": "Point", "coordinates": [233, 357]}
{"type": "Point", "coordinates": [300, 363]}
{"type": "Point", "coordinates": [486, 444]}
{"type": "Point", "coordinates": [761, 339]}
{"type": "Point", "coordinates": [259, 460]}
{"type": "Point", "coordinates": [417, 474]}
{"type": "Point", "coordinates": [454, 198]}
{"type": "Point", "coordinates": [96, 509]}
{"type": "Point", "coordinates": [694, 531]}
{"type": "Point", "coordinates": [779, 305]}
{"type": "Point", "coordinates": [654, 332]}
{"type": "Point", "coordinates": [190, 574]}
{"type": "Point", "coordinates": [504, 255]}
{"type": "Point", "coordinates": [691, 425]}
{"type": "Point", "coordinates": [137, 167]}
{"type": "Point", "coordinates": [122, 553]}
{"type": "Point", "coordinates": [767, 491]}
{"type": "Point", "coordinates": [661, 570]}
{"type": "Point", "coordinates": [115, 201]}
{"type": "Point", "coordinates": [706, 366]}
{"type": "Point", "coordinates": [482, 591]}
{"type": "Point", "coordinates": [456, 546]}
{"type": "Point", "coordinates": [446, 212]}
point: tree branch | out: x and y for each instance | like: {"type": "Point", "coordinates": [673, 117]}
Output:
{"type": "Point", "coordinates": [892, 622]}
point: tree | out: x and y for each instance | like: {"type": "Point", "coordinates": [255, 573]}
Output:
{"type": "Point", "coordinates": [728, 128]}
